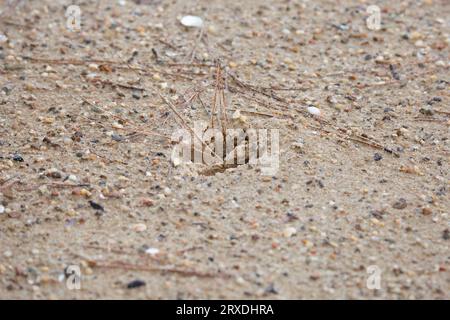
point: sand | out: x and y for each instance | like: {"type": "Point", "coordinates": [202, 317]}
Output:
{"type": "Point", "coordinates": [358, 208]}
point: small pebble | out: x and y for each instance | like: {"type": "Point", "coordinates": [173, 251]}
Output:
{"type": "Point", "coordinates": [135, 284]}
{"type": "Point", "coordinates": [54, 173]}
{"type": "Point", "coordinates": [377, 157]}
{"type": "Point", "coordinates": [18, 158]}
{"type": "Point", "coordinates": [152, 251]}
{"type": "Point", "coordinates": [139, 227]}
{"type": "Point", "coordinates": [446, 234]}
{"type": "Point", "coordinates": [93, 67]}
{"type": "Point", "coordinates": [400, 204]}
{"type": "Point", "coordinates": [72, 178]}
{"type": "Point", "coordinates": [314, 111]}
{"type": "Point", "coordinates": [192, 21]}
{"type": "Point", "coordinates": [289, 232]}
{"type": "Point", "coordinates": [96, 206]}
{"type": "Point", "coordinates": [2, 209]}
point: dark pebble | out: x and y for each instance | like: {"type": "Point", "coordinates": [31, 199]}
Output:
{"type": "Point", "coordinates": [96, 206]}
{"type": "Point", "coordinates": [377, 157]}
{"type": "Point", "coordinates": [135, 284]}
{"type": "Point", "coordinates": [117, 137]}
{"type": "Point", "coordinates": [18, 158]}
{"type": "Point", "coordinates": [55, 175]}
{"type": "Point", "coordinates": [400, 204]}
{"type": "Point", "coordinates": [446, 234]}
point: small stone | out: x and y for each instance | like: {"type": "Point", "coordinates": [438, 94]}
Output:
{"type": "Point", "coordinates": [426, 211]}
{"type": "Point", "coordinates": [117, 125]}
{"type": "Point", "coordinates": [135, 284]}
{"type": "Point", "coordinates": [400, 204]}
{"type": "Point", "coordinates": [314, 111]}
{"type": "Point", "coordinates": [167, 191]}
{"type": "Point", "coordinates": [18, 158]}
{"type": "Point", "coordinates": [419, 44]}
{"type": "Point", "coordinates": [96, 206]}
{"type": "Point", "coordinates": [136, 95]}
{"type": "Point", "coordinates": [416, 36]}
{"type": "Point", "coordinates": [152, 251]}
{"type": "Point", "coordinates": [72, 213]}
{"type": "Point", "coordinates": [93, 67]}
{"type": "Point", "coordinates": [86, 193]}
{"type": "Point", "coordinates": [7, 254]}
{"type": "Point", "coordinates": [54, 173]}
{"type": "Point", "coordinates": [192, 21]}
{"type": "Point", "coordinates": [43, 190]}
{"type": "Point", "coordinates": [289, 232]}
{"type": "Point", "coordinates": [72, 178]}
{"type": "Point", "coordinates": [147, 202]}
{"type": "Point", "coordinates": [446, 234]}
{"type": "Point", "coordinates": [117, 137]}
{"type": "Point", "coordinates": [139, 227]}
{"type": "Point", "coordinates": [2, 209]}
{"type": "Point", "coordinates": [377, 157]}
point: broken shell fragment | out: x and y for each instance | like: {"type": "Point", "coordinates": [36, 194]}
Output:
{"type": "Point", "coordinates": [152, 251]}
{"type": "Point", "coordinates": [192, 21]}
{"type": "Point", "coordinates": [314, 111]}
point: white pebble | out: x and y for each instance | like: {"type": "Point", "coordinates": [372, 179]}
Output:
{"type": "Point", "coordinates": [93, 66]}
{"type": "Point", "coordinates": [3, 38]}
{"type": "Point", "coordinates": [289, 232]}
{"type": "Point", "coordinates": [2, 209]}
{"type": "Point", "coordinates": [152, 251]}
{"type": "Point", "coordinates": [314, 111]}
{"type": "Point", "coordinates": [72, 178]}
{"type": "Point", "coordinates": [192, 21]}
{"type": "Point", "coordinates": [139, 227]}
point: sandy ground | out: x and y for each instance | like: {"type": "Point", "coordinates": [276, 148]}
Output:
{"type": "Point", "coordinates": [86, 177]}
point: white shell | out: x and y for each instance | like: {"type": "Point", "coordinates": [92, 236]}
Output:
{"type": "Point", "coordinates": [152, 251]}
{"type": "Point", "coordinates": [314, 111]}
{"type": "Point", "coordinates": [289, 232]}
{"type": "Point", "coordinates": [192, 21]}
{"type": "Point", "coordinates": [3, 38]}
